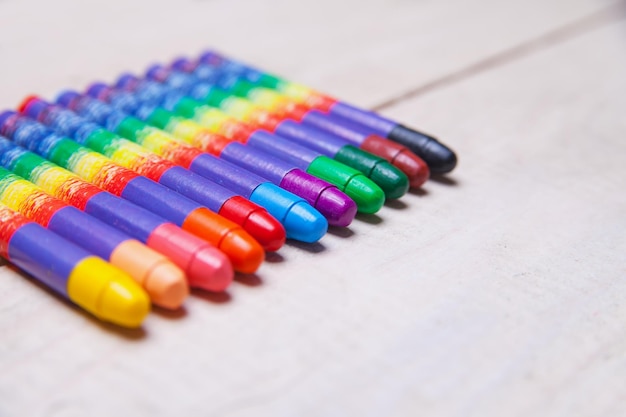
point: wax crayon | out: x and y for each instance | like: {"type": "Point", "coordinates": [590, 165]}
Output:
{"type": "Point", "coordinates": [367, 195]}
{"type": "Point", "coordinates": [392, 181]}
{"type": "Point", "coordinates": [438, 156]}
{"type": "Point", "coordinates": [69, 270]}
{"type": "Point", "coordinates": [349, 143]}
{"type": "Point", "coordinates": [333, 204]}
{"type": "Point", "coordinates": [140, 262]}
{"type": "Point", "coordinates": [253, 218]}
{"type": "Point", "coordinates": [189, 252]}
{"type": "Point", "coordinates": [111, 177]}
{"type": "Point", "coordinates": [97, 169]}
{"type": "Point", "coordinates": [301, 221]}
{"type": "Point", "coordinates": [243, 251]}
{"type": "Point", "coordinates": [167, 289]}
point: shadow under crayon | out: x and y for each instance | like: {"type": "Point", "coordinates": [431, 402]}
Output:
{"type": "Point", "coordinates": [445, 180]}
{"type": "Point", "coordinates": [110, 328]}
{"type": "Point", "coordinates": [316, 247]}
{"type": "Point", "coordinates": [168, 314]}
{"type": "Point", "coordinates": [249, 280]}
{"type": "Point", "coordinates": [342, 232]}
{"type": "Point", "coordinates": [274, 257]}
{"type": "Point", "coordinates": [396, 204]}
{"type": "Point", "coordinates": [126, 333]}
{"type": "Point", "coordinates": [372, 219]}
{"type": "Point", "coordinates": [420, 192]}
{"type": "Point", "coordinates": [212, 297]}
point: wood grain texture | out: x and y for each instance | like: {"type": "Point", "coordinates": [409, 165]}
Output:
{"type": "Point", "coordinates": [498, 291]}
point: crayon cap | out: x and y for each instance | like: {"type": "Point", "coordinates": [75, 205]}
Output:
{"type": "Point", "coordinates": [4, 116]}
{"type": "Point", "coordinates": [212, 270]}
{"type": "Point", "coordinates": [205, 266]}
{"type": "Point", "coordinates": [242, 250]}
{"type": "Point", "coordinates": [337, 207]}
{"type": "Point", "coordinates": [256, 221]}
{"type": "Point", "coordinates": [390, 179]}
{"type": "Point", "coordinates": [210, 57]}
{"type": "Point", "coordinates": [96, 89]}
{"type": "Point", "coordinates": [301, 221]}
{"type": "Point", "coordinates": [399, 156]}
{"type": "Point", "coordinates": [245, 253]}
{"type": "Point", "coordinates": [368, 196]}
{"type": "Point", "coordinates": [126, 80]}
{"type": "Point", "coordinates": [65, 98]}
{"type": "Point", "coordinates": [31, 106]}
{"type": "Point", "coordinates": [109, 293]}
{"type": "Point", "coordinates": [183, 64]}
{"type": "Point", "coordinates": [164, 282]}
{"type": "Point", "coordinates": [439, 157]}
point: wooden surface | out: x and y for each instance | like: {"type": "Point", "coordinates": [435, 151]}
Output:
{"type": "Point", "coordinates": [496, 291]}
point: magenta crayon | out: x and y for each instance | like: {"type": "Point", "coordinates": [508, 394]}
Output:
{"type": "Point", "coordinates": [130, 255]}
{"type": "Point", "coordinates": [301, 221]}
{"type": "Point", "coordinates": [189, 252]}
{"type": "Point", "coordinates": [390, 179]}
{"type": "Point", "coordinates": [337, 207]}
{"type": "Point", "coordinates": [439, 157]}
{"type": "Point", "coordinates": [71, 271]}
{"type": "Point", "coordinates": [242, 250]}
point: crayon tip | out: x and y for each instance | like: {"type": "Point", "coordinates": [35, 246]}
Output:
{"type": "Point", "coordinates": [399, 156]}
{"type": "Point", "coordinates": [256, 221]}
{"type": "Point", "coordinates": [390, 179]}
{"type": "Point", "coordinates": [167, 286]}
{"type": "Point", "coordinates": [107, 292]}
{"type": "Point", "coordinates": [245, 253]}
{"type": "Point", "coordinates": [148, 266]}
{"type": "Point", "coordinates": [123, 304]}
{"type": "Point", "coordinates": [23, 106]}
{"type": "Point", "coordinates": [66, 97]}
{"type": "Point", "coordinates": [301, 221]}
{"type": "Point", "coordinates": [210, 270]}
{"type": "Point", "coordinates": [4, 116]}
{"type": "Point", "coordinates": [337, 207]}
{"type": "Point", "coordinates": [304, 223]}
{"type": "Point", "coordinates": [439, 157]}
{"type": "Point", "coordinates": [125, 80]}
{"type": "Point", "coordinates": [368, 196]}
{"type": "Point", "coordinates": [266, 230]}
{"type": "Point", "coordinates": [195, 252]}
{"type": "Point", "coordinates": [413, 166]}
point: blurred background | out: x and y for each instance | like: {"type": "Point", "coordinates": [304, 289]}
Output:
{"type": "Point", "coordinates": [495, 291]}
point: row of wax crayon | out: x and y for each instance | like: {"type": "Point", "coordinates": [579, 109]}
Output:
{"type": "Point", "coordinates": [132, 192]}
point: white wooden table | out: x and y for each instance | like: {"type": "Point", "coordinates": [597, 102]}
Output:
{"type": "Point", "coordinates": [497, 291]}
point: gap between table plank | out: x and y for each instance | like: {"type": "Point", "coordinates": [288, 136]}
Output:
{"type": "Point", "coordinates": [606, 16]}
